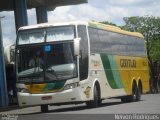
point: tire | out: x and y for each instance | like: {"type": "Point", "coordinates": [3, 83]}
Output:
{"type": "Point", "coordinates": [96, 99]}
{"type": "Point", "coordinates": [44, 108]}
{"type": "Point", "coordinates": [133, 97]}
{"type": "Point", "coordinates": [138, 94]}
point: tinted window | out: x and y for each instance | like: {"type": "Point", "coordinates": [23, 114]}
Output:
{"type": "Point", "coordinates": [94, 39]}
{"type": "Point", "coordinates": [82, 33]}
{"type": "Point", "coordinates": [114, 43]}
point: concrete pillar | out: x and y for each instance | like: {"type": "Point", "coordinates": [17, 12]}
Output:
{"type": "Point", "coordinates": [41, 13]}
{"type": "Point", "coordinates": [20, 12]}
{"type": "Point", "coordinates": [3, 89]}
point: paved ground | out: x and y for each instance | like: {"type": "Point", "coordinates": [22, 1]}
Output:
{"type": "Point", "coordinates": [150, 104]}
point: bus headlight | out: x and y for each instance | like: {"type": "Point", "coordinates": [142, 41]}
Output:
{"type": "Point", "coordinates": [70, 86]}
{"type": "Point", "coordinates": [23, 90]}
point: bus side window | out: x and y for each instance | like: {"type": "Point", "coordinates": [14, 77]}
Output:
{"type": "Point", "coordinates": [82, 33]}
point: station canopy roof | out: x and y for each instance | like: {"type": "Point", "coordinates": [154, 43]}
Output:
{"type": "Point", "coordinates": [7, 5]}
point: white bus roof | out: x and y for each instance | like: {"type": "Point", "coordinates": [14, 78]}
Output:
{"type": "Point", "coordinates": [91, 24]}
{"type": "Point", "coordinates": [44, 25]}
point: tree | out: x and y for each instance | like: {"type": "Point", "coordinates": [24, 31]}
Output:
{"type": "Point", "coordinates": [149, 26]}
{"type": "Point", "coordinates": [108, 23]}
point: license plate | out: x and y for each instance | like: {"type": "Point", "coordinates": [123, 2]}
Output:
{"type": "Point", "coordinates": [46, 98]}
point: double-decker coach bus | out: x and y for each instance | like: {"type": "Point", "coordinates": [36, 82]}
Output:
{"type": "Point", "coordinates": [76, 62]}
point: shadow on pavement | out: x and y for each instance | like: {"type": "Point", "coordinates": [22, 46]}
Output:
{"type": "Point", "coordinates": [78, 108]}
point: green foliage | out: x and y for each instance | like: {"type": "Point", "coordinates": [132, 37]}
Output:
{"type": "Point", "coordinates": [108, 23]}
{"type": "Point", "coordinates": [149, 26]}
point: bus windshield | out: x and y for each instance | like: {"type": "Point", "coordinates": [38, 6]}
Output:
{"type": "Point", "coordinates": [48, 61]}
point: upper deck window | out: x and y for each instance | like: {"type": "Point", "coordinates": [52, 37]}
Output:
{"type": "Point", "coordinates": [59, 33]}
{"type": "Point", "coordinates": [31, 36]}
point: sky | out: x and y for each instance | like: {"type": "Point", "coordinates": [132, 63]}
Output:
{"type": "Point", "coordinates": [97, 10]}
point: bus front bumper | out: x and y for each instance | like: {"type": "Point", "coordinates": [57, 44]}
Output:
{"type": "Point", "coordinates": [66, 96]}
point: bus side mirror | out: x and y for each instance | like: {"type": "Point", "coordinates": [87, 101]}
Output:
{"type": "Point", "coordinates": [77, 46]}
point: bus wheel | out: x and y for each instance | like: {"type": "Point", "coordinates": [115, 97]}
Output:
{"type": "Point", "coordinates": [96, 99]}
{"type": "Point", "coordinates": [44, 108]}
{"type": "Point", "coordinates": [134, 93]}
{"type": "Point", "coordinates": [138, 94]}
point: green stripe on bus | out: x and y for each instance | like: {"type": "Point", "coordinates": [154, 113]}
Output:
{"type": "Point", "coordinates": [115, 71]}
{"type": "Point", "coordinates": [54, 86]}
{"type": "Point", "coordinates": [108, 71]}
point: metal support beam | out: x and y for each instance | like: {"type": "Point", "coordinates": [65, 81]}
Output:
{"type": "Point", "coordinates": [41, 13]}
{"type": "Point", "coordinates": [20, 12]}
{"type": "Point", "coordinates": [3, 90]}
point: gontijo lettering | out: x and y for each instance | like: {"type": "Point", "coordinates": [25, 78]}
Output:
{"type": "Point", "coordinates": [128, 63]}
